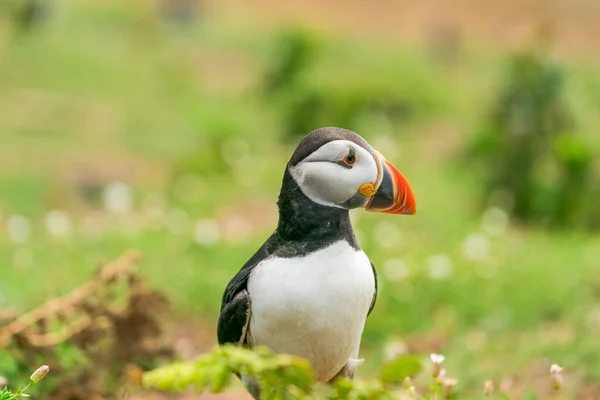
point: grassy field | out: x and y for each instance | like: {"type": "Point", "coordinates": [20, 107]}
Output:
{"type": "Point", "coordinates": [107, 94]}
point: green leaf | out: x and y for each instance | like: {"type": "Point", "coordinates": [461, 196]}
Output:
{"type": "Point", "coordinates": [343, 388]}
{"type": "Point", "coordinates": [221, 379]}
{"type": "Point", "coordinates": [395, 371]}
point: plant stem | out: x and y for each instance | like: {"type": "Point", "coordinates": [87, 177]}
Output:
{"type": "Point", "coordinates": [20, 392]}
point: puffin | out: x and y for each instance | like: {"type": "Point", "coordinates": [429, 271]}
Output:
{"type": "Point", "coordinates": [309, 288]}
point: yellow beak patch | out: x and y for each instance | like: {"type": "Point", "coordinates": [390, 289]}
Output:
{"type": "Point", "coordinates": [367, 189]}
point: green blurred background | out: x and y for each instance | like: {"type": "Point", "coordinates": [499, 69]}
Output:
{"type": "Point", "coordinates": [165, 127]}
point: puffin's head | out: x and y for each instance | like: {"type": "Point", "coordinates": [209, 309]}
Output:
{"type": "Point", "coordinates": [337, 168]}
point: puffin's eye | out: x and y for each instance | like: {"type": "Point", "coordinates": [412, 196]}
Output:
{"type": "Point", "coordinates": [349, 159]}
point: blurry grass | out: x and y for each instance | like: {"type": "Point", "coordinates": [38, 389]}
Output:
{"type": "Point", "coordinates": [168, 108]}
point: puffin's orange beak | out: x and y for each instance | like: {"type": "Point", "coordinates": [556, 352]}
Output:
{"type": "Point", "coordinates": [394, 194]}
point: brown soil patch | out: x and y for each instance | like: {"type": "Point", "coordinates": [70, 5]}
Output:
{"type": "Point", "coordinates": [485, 21]}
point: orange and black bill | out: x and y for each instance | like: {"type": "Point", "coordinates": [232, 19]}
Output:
{"type": "Point", "coordinates": [394, 194]}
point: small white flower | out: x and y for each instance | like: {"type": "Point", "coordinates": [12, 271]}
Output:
{"type": "Point", "coordinates": [476, 248]}
{"type": "Point", "coordinates": [440, 266]}
{"type": "Point", "coordinates": [436, 368]}
{"type": "Point", "coordinates": [207, 232]}
{"type": "Point", "coordinates": [394, 269]}
{"type": "Point", "coordinates": [39, 373]}
{"type": "Point", "coordinates": [494, 221]}
{"type": "Point", "coordinates": [118, 198]}
{"type": "Point", "coordinates": [58, 223]}
{"type": "Point", "coordinates": [436, 358]}
{"type": "Point", "coordinates": [19, 228]}
{"type": "Point", "coordinates": [556, 369]}
{"type": "Point", "coordinates": [556, 376]}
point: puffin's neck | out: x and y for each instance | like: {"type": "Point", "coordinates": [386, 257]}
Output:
{"type": "Point", "coordinates": [313, 225]}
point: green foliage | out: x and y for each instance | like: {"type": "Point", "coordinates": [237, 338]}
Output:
{"type": "Point", "coordinates": [214, 371]}
{"type": "Point", "coordinates": [307, 107]}
{"type": "Point", "coordinates": [37, 376]}
{"type": "Point", "coordinates": [280, 376]}
{"type": "Point", "coordinates": [527, 148]}
{"type": "Point", "coordinates": [397, 370]}
{"type": "Point", "coordinates": [13, 367]}
{"type": "Point", "coordinates": [294, 52]}
{"type": "Point", "coordinates": [576, 160]}
{"type": "Point", "coordinates": [307, 103]}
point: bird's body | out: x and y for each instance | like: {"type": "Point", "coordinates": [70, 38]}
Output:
{"type": "Point", "coordinates": [313, 306]}
{"type": "Point", "coordinates": [309, 289]}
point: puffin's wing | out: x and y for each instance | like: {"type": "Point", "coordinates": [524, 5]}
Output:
{"type": "Point", "coordinates": [234, 319]}
{"type": "Point", "coordinates": [375, 292]}
{"type": "Point", "coordinates": [236, 304]}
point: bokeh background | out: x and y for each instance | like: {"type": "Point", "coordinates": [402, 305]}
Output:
{"type": "Point", "coordinates": [165, 127]}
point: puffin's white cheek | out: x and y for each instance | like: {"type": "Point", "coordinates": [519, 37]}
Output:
{"type": "Point", "coordinates": [329, 187]}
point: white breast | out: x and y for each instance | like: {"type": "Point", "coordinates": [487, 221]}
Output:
{"type": "Point", "coordinates": [314, 307]}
